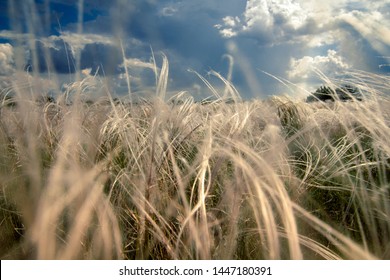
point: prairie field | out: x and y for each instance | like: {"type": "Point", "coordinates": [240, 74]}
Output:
{"type": "Point", "coordinates": [171, 178]}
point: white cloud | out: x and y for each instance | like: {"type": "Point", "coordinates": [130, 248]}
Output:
{"type": "Point", "coordinates": [289, 12]}
{"type": "Point", "coordinates": [265, 18]}
{"type": "Point", "coordinates": [77, 42]}
{"type": "Point", "coordinates": [7, 34]}
{"type": "Point", "coordinates": [330, 65]}
{"type": "Point", "coordinates": [168, 11]}
{"type": "Point", "coordinates": [6, 60]}
{"type": "Point", "coordinates": [135, 62]}
{"type": "Point", "coordinates": [227, 29]}
{"type": "Point", "coordinates": [356, 33]}
{"type": "Point", "coordinates": [231, 21]}
{"type": "Point", "coordinates": [275, 22]}
{"type": "Point", "coordinates": [257, 15]}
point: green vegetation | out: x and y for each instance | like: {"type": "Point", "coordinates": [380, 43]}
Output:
{"type": "Point", "coordinates": [344, 93]}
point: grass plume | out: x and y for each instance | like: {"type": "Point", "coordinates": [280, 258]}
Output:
{"type": "Point", "coordinates": [274, 179]}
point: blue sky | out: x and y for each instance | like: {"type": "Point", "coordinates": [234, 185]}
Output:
{"type": "Point", "coordinates": [289, 39]}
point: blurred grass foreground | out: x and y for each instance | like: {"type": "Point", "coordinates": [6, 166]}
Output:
{"type": "Point", "coordinates": [171, 178]}
{"type": "Point", "coordinates": [177, 179]}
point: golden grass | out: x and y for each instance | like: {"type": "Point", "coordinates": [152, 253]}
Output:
{"type": "Point", "coordinates": [170, 178]}
{"type": "Point", "coordinates": [273, 179]}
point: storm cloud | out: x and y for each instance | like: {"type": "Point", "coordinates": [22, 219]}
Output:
{"type": "Point", "coordinates": [289, 39]}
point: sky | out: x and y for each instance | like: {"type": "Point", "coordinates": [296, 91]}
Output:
{"type": "Point", "coordinates": [265, 47]}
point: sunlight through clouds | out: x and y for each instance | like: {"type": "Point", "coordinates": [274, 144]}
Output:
{"type": "Point", "coordinates": [331, 36]}
{"type": "Point", "coordinates": [372, 27]}
{"type": "Point", "coordinates": [265, 16]}
{"type": "Point", "coordinates": [283, 38]}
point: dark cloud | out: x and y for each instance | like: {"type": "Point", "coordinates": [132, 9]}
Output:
{"type": "Point", "coordinates": [102, 58]}
{"type": "Point", "coordinates": [268, 36]}
{"type": "Point", "coordinates": [54, 57]}
{"type": "Point", "coordinates": [186, 34]}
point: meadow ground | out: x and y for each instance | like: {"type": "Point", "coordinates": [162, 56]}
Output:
{"type": "Point", "coordinates": [177, 179]}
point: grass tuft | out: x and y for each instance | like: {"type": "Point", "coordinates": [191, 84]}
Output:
{"type": "Point", "coordinates": [178, 179]}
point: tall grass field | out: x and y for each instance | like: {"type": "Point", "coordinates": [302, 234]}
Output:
{"type": "Point", "coordinates": [171, 178]}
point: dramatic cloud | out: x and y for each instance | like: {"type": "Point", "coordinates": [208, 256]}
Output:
{"type": "Point", "coordinates": [266, 20]}
{"type": "Point", "coordinates": [330, 36]}
{"type": "Point", "coordinates": [309, 21]}
{"type": "Point", "coordinates": [286, 38]}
